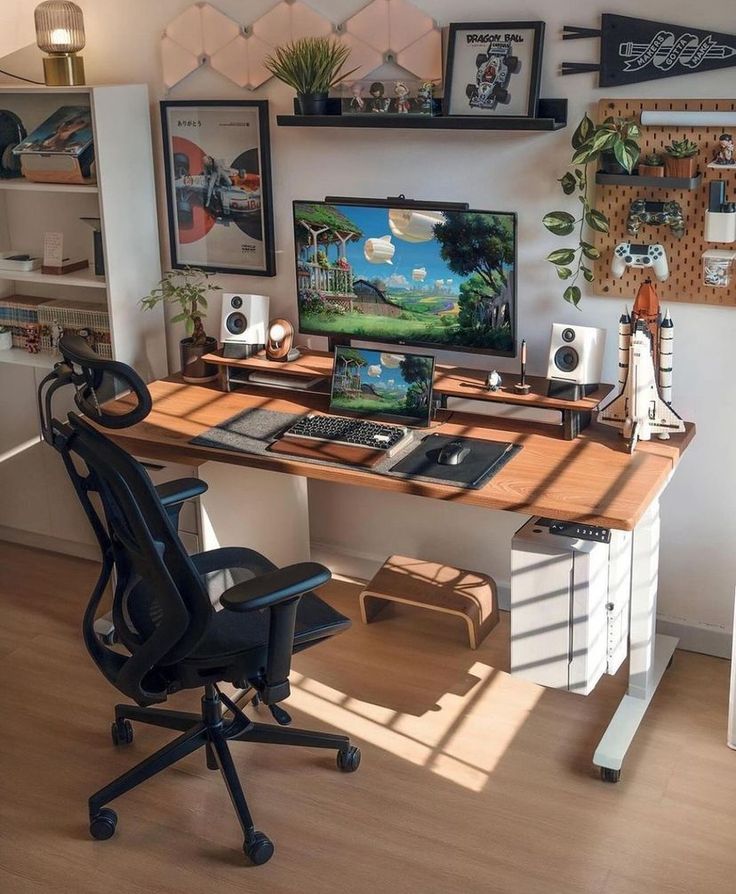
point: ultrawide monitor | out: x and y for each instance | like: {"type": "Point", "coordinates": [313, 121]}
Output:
{"type": "Point", "coordinates": [398, 274]}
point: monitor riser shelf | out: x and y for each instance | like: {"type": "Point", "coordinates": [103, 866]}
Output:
{"type": "Point", "coordinates": [450, 382]}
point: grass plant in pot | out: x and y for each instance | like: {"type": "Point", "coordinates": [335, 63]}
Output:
{"type": "Point", "coordinates": [312, 66]}
{"type": "Point", "coordinates": [680, 159]}
{"type": "Point", "coordinates": [188, 289]}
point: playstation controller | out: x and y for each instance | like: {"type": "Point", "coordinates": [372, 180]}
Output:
{"type": "Point", "coordinates": [658, 214]}
{"type": "Point", "coordinates": [630, 254]}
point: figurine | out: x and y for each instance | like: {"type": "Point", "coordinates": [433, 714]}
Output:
{"type": "Point", "coordinates": [724, 155]}
{"type": "Point", "coordinates": [403, 105]}
{"type": "Point", "coordinates": [357, 101]}
{"type": "Point", "coordinates": [380, 103]}
{"type": "Point", "coordinates": [56, 334]}
{"type": "Point", "coordinates": [494, 381]}
{"type": "Point", "coordinates": [425, 96]}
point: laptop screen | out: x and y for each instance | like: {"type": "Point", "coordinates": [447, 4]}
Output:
{"type": "Point", "coordinates": [384, 384]}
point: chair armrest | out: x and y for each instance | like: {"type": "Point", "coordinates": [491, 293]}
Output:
{"type": "Point", "coordinates": [172, 492]}
{"type": "Point", "coordinates": [275, 587]}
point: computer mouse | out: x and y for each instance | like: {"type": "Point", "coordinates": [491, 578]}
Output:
{"type": "Point", "coordinates": [453, 454]}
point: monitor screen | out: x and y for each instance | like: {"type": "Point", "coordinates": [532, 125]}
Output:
{"type": "Point", "coordinates": [400, 275]}
{"type": "Point", "coordinates": [396, 387]}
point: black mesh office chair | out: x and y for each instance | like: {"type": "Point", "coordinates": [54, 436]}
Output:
{"type": "Point", "coordinates": [170, 637]}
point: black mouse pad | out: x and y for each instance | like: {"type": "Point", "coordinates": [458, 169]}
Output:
{"type": "Point", "coordinates": [484, 460]}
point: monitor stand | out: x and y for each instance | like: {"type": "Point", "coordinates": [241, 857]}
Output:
{"type": "Point", "coordinates": [334, 341]}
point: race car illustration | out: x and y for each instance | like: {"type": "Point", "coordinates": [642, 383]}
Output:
{"type": "Point", "coordinates": [494, 70]}
{"type": "Point", "coordinates": [226, 193]}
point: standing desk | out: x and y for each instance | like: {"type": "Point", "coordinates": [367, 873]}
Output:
{"type": "Point", "coordinates": [590, 479]}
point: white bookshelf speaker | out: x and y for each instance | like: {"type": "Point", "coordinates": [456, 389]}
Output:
{"type": "Point", "coordinates": [575, 360]}
{"type": "Point", "coordinates": [244, 329]}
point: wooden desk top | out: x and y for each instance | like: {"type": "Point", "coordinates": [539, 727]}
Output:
{"type": "Point", "coordinates": [592, 479]}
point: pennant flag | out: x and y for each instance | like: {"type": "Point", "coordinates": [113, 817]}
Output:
{"type": "Point", "coordinates": [636, 50]}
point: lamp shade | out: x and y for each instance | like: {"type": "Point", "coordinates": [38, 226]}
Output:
{"type": "Point", "coordinates": [59, 27]}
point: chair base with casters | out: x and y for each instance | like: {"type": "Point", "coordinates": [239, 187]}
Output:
{"type": "Point", "coordinates": [212, 731]}
{"type": "Point", "coordinates": [179, 622]}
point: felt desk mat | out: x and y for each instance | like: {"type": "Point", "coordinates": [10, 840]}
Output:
{"type": "Point", "coordinates": [253, 431]}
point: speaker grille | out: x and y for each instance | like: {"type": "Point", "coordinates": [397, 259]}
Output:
{"type": "Point", "coordinates": [566, 359]}
{"type": "Point", "coordinates": [236, 323]}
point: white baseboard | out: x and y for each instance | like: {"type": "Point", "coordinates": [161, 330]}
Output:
{"type": "Point", "coordinates": [360, 567]}
{"type": "Point", "coordinates": [52, 544]}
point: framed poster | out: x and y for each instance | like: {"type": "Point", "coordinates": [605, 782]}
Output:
{"type": "Point", "coordinates": [493, 68]}
{"type": "Point", "coordinates": [218, 185]}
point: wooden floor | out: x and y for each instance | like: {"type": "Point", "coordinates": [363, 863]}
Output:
{"type": "Point", "coordinates": [471, 781]}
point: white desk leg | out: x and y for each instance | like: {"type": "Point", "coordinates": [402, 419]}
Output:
{"type": "Point", "coordinates": [649, 654]}
{"type": "Point", "coordinates": [256, 508]}
{"type": "Point", "coordinates": [732, 700]}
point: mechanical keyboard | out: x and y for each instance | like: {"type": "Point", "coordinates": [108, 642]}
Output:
{"type": "Point", "coordinates": [348, 431]}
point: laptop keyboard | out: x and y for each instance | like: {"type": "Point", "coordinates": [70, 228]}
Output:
{"type": "Point", "coordinates": [345, 430]}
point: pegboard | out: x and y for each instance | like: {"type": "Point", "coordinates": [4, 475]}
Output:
{"type": "Point", "coordinates": [685, 283]}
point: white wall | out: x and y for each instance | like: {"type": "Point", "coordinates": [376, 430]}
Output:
{"type": "Point", "coordinates": [499, 171]}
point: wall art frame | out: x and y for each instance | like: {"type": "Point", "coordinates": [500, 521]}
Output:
{"type": "Point", "coordinates": [217, 161]}
{"type": "Point", "coordinates": [493, 68]}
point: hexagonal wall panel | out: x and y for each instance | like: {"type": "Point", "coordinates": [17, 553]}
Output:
{"type": "Point", "coordinates": [389, 25]}
{"type": "Point", "coordinates": [202, 34]}
{"type": "Point", "coordinates": [290, 21]}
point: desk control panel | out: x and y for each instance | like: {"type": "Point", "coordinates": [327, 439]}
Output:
{"type": "Point", "coordinates": [576, 530]}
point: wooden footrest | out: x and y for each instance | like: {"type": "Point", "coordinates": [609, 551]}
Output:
{"type": "Point", "coordinates": [468, 594]}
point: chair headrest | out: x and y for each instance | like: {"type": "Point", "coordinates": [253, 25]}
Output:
{"type": "Point", "coordinates": [99, 381]}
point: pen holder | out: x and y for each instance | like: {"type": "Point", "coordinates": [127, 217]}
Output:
{"type": "Point", "coordinates": [720, 226]}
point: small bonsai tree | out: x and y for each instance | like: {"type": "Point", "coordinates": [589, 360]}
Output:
{"type": "Point", "coordinates": [187, 288]}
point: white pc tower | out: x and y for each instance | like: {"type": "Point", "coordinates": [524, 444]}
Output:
{"type": "Point", "coordinates": [570, 597]}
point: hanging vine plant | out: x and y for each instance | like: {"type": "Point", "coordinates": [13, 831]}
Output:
{"type": "Point", "coordinates": [614, 144]}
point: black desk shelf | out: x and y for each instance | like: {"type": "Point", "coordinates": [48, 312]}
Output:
{"type": "Point", "coordinates": [552, 116]}
{"type": "Point", "coordinates": [648, 182]}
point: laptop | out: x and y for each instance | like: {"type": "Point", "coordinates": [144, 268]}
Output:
{"type": "Point", "coordinates": [376, 398]}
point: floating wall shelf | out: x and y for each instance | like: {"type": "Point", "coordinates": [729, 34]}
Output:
{"type": "Point", "coordinates": [648, 182]}
{"type": "Point", "coordinates": [552, 115]}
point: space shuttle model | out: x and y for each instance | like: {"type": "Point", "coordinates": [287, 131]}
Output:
{"type": "Point", "coordinates": [643, 408]}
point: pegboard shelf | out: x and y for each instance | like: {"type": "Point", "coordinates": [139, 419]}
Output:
{"type": "Point", "coordinates": [685, 283]}
{"type": "Point", "coordinates": [638, 182]}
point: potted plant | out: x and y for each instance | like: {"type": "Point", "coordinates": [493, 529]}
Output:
{"type": "Point", "coordinates": [6, 338]}
{"type": "Point", "coordinates": [312, 66]}
{"type": "Point", "coordinates": [188, 289]}
{"type": "Point", "coordinates": [679, 160]}
{"type": "Point", "coordinates": [616, 139]}
{"type": "Point", "coordinates": [589, 143]}
{"type": "Point", "coordinates": [652, 166]}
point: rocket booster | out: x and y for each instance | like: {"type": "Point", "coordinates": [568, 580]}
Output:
{"type": "Point", "coordinates": [666, 344]}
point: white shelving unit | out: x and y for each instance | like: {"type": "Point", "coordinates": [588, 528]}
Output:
{"type": "Point", "coordinates": [37, 505]}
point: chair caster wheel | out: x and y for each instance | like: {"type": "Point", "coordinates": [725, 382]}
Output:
{"type": "Point", "coordinates": [103, 823]}
{"type": "Point", "coordinates": [609, 775]}
{"type": "Point", "coordinates": [258, 848]}
{"type": "Point", "coordinates": [348, 760]}
{"type": "Point", "coordinates": [121, 732]}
